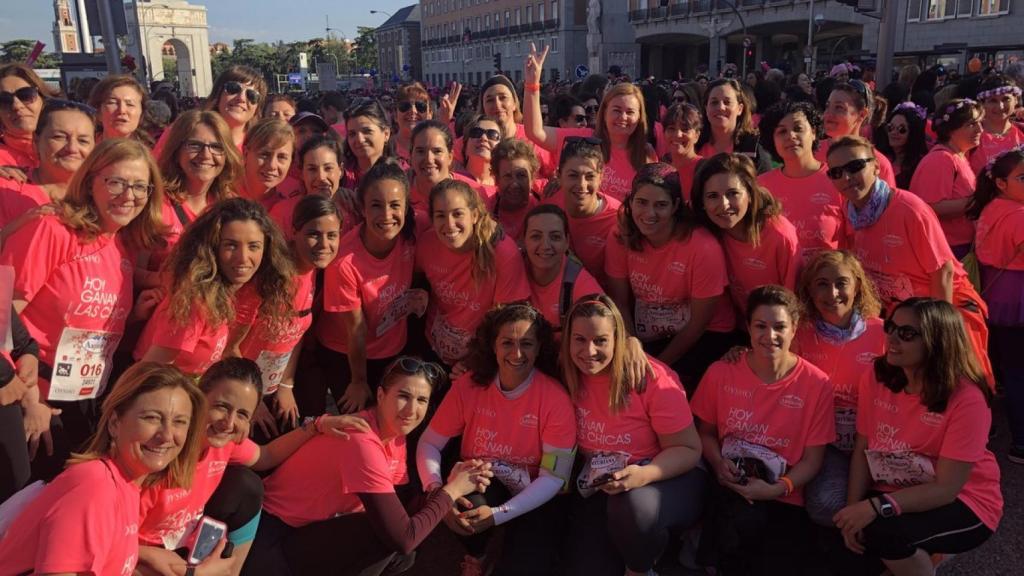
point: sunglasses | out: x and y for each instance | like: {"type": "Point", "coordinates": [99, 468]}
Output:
{"type": "Point", "coordinates": [195, 147]}
{"type": "Point", "coordinates": [492, 134]}
{"type": "Point", "coordinates": [26, 95]}
{"type": "Point", "coordinates": [234, 88]}
{"type": "Point", "coordinates": [679, 99]}
{"type": "Point", "coordinates": [904, 333]}
{"type": "Point", "coordinates": [590, 109]}
{"type": "Point", "coordinates": [580, 117]}
{"type": "Point", "coordinates": [852, 167]}
{"type": "Point", "coordinates": [410, 366]}
{"type": "Point", "coordinates": [896, 129]}
{"type": "Point", "coordinates": [407, 105]}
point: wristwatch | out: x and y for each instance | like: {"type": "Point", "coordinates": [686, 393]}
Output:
{"type": "Point", "coordinates": [885, 508]}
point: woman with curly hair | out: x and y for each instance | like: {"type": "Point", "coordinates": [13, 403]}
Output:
{"type": "Point", "coordinates": [509, 409]}
{"type": "Point", "coordinates": [73, 284]}
{"type": "Point", "coordinates": [232, 244]}
{"type": "Point", "coordinates": [904, 141]}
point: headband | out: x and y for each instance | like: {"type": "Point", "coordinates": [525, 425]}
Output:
{"type": "Point", "coordinates": [949, 109]}
{"type": "Point", "coordinates": [919, 111]}
{"type": "Point", "coordinates": [985, 94]}
{"type": "Point", "coordinates": [992, 161]}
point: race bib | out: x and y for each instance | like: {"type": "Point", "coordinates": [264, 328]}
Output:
{"type": "Point", "coordinates": [846, 428]}
{"type": "Point", "coordinates": [412, 301]}
{"type": "Point", "coordinates": [738, 450]}
{"type": "Point", "coordinates": [597, 470]}
{"type": "Point", "coordinates": [450, 342]}
{"type": "Point", "coordinates": [900, 469]}
{"type": "Point", "coordinates": [657, 321]}
{"type": "Point", "coordinates": [272, 366]}
{"type": "Point", "coordinates": [515, 477]}
{"type": "Point", "coordinates": [81, 365]}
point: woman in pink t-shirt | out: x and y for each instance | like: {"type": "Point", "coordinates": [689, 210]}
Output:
{"type": "Point", "coordinates": [761, 245]}
{"type": "Point", "coordinates": [471, 266]}
{"type": "Point", "coordinates": [223, 486]}
{"type": "Point", "coordinates": [515, 168]}
{"type": "Point", "coordinates": [511, 411]}
{"type": "Point", "coordinates": [73, 285]}
{"type": "Point", "coordinates": [683, 124]}
{"type": "Point", "coordinates": [922, 480]}
{"type": "Point", "coordinates": [24, 94]}
{"type": "Point", "coordinates": [121, 101]}
{"type": "Point", "coordinates": [791, 131]}
{"type": "Point", "coordinates": [430, 165]}
{"type": "Point", "coordinates": [367, 140]}
{"type": "Point", "coordinates": [86, 520]}
{"type": "Point", "coordinates": [337, 496]}
{"type": "Point", "coordinates": [232, 244]}
{"type": "Point", "coordinates": [640, 450]}
{"type": "Point", "coordinates": [764, 422]}
{"type": "Point", "coordinates": [849, 106]}
{"type": "Point", "coordinates": [482, 135]}
{"type": "Point", "coordinates": [728, 124]}
{"type": "Point", "coordinates": [268, 157]}
{"type": "Point", "coordinates": [413, 105]}
{"type": "Point", "coordinates": [999, 97]}
{"type": "Point", "coordinates": [944, 178]}
{"type": "Point", "coordinates": [998, 208]}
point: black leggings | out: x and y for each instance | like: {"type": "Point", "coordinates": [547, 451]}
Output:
{"type": "Point", "coordinates": [631, 529]}
{"type": "Point", "coordinates": [14, 463]}
{"type": "Point", "coordinates": [949, 529]}
{"type": "Point", "coordinates": [71, 431]}
{"type": "Point", "coordinates": [335, 376]}
{"type": "Point", "coordinates": [237, 499]}
{"type": "Point", "coordinates": [708, 349]}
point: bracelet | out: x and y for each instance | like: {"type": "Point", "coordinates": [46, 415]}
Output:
{"type": "Point", "coordinates": [288, 386]}
{"type": "Point", "coordinates": [874, 506]}
{"type": "Point", "coordinates": [892, 502]}
{"type": "Point", "coordinates": [532, 87]}
{"type": "Point", "coordinates": [789, 485]}
{"type": "Point", "coordinates": [318, 424]}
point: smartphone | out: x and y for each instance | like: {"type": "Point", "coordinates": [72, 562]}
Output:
{"type": "Point", "coordinates": [602, 480]}
{"type": "Point", "coordinates": [205, 538]}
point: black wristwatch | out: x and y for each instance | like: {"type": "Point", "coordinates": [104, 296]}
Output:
{"type": "Point", "coordinates": [885, 508]}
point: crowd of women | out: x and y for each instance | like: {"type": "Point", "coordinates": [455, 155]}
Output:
{"type": "Point", "coordinates": [578, 343]}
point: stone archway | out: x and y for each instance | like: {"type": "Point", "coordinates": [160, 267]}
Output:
{"type": "Point", "coordinates": [182, 26]}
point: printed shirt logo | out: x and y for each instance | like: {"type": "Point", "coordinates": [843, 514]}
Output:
{"type": "Point", "coordinates": [932, 419]}
{"type": "Point", "coordinates": [791, 401]}
{"type": "Point", "coordinates": [892, 240]}
{"type": "Point", "coordinates": [529, 421]}
{"type": "Point", "coordinates": [755, 263]}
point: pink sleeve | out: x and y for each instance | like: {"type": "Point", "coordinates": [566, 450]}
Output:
{"type": "Point", "coordinates": [169, 335]}
{"type": "Point", "coordinates": [615, 256]}
{"type": "Point", "coordinates": [704, 403]}
{"type": "Point", "coordinates": [245, 453]}
{"type": "Point", "coordinates": [933, 179]}
{"type": "Point", "coordinates": [667, 406]}
{"type": "Point", "coordinates": [969, 421]}
{"type": "Point", "coordinates": [585, 284]}
{"type": "Point", "coordinates": [929, 244]}
{"type": "Point", "coordinates": [823, 421]}
{"type": "Point", "coordinates": [865, 396]}
{"type": "Point", "coordinates": [64, 546]}
{"type": "Point", "coordinates": [449, 420]}
{"type": "Point", "coordinates": [366, 468]}
{"type": "Point", "coordinates": [559, 427]}
{"type": "Point", "coordinates": [709, 277]}
{"type": "Point", "coordinates": [885, 171]}
{"type": "Point", "coordinates": [47, 242]}
{"type": "Point", "coordinates": [247, 306]}
{"type": "Point", "coordinates": [341, 287]}
{"type": "Point", "coordinates": [789, 258]}
{"type": "Point", "coordinates": [510, 282]}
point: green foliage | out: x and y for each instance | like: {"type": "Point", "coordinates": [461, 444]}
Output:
{"type": "Point", "coordinates": [18, 51]}
{"type": "Point", "coordinates": [282, 57]}
{"type": "Point", "coordinates": [364, 51]}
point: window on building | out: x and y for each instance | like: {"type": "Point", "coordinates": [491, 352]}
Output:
{"type": "Point", "coordinates": [508, 18]}
{"type": "Point", "coordinates": [519, 17]}
{"type": "Point", "coordinates": [992, 7]}
{"type": "Point", "coordinates": [940, 9]}
{"type": "Point", "coordinates": [554, 10]}
{"type": "Point", "coordinates": [519, 48]}
{"type": "Point", "coordinates": [554, 44]}
{"type": "Point", "coordinates": [487, 22]}
{"type": "Point", "coordinates": [964, 8]}
{"type": "Point", "coordinates": [529, 14]}
{"type": "Point", "coordinates": [540, 11]}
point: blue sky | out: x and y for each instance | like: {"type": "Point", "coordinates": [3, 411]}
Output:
{"type": "Point", "coordinates": [262, 20]}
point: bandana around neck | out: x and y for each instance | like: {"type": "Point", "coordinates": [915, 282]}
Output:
{"type": "Point", "coordinates": [836, 335]}
{"type": "Point", "coordinates": [872, 211]}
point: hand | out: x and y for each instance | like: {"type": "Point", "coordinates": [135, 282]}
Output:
{"type": "Point", "coordinates": [37, 426]}
{"type": "Point", "coordinates": [480, 518]}
{"type": "Point", "coordinates": [336, 425]}
{"type": "Point", "coordinates": [727, 472]}
{"type": "Point", "coordinates": [551, 188]}
{"type": "Point", "coordinates": [624, 480]}
{"type": "Point", "coordinates": [154, 560]}
{"type": "Point", "coordinates": [146, 302]}
{"type": "Point", "coordinates": [534, 64]}
{"type": "Point", "coordinates": [638, 369]}
{"type": "Point", "coordinates": [264, 421]}
{"type": "Point", "coordinates": [758, 490]}
{"type": "Point", "coordinates": [285, 407]}
{"type": "Point", "coordinates": [458, 370]}
{"type": "Point", "coordinates": [418, 300]}
{"type": "Point", "coordinates": [28, 370]}
{"type": "Point", "coordinates": [467, 477]}
{"type": "Point", "coordinates": [14, 391]}
{"type": "Point", "coordinates": [13, 173]}
{"type": "Point", "coordinates": [735, 354]}
{"type": "Point", "coordinates": [454, 520]}
{"type": "Point", "coordinates": [851, 521]}
{"type": "Point", "coordinates": [214, 565]}
{"type": "Point", "coordinates": [446, 111]}
{"type": "Point", "coordinates": [355, 398]}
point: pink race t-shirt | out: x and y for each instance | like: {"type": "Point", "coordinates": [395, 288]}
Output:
{"type": "Point", "coordinates": [358, 280]}
{"type": "Point", "coordinates": [17, 198]}
{"type": "Point", "coordinates": [992, 144]}
{"type": "Point", "coordinates": [664, 280]}
{"type": "Point", "coordinates": [514, 223]}
{"type": "Point", "coordinates": [659, 410]}
{"type": "Point", "coordinates": [1001, 234]}
{"type": "Point", "coordinates": [588, 236]}
{"type": "Point", "coordinates": [85, 521]}
{"type": "Point", "coordinates": [457, 301]}
{"type": "Point", "coordinates": [899, 427]}
{"type": "Point", "coordinates": [324, 477]}
{"type": "Point", "coordinates": [944, 175]}
{"type": "Point", "coordinates": [510, 428]}
{"type": "Point", "coordinates": [198, 343]}
{"type": "Point", "coordinates": [885, 171]}
{"type": "Point", "coordinates": [687, 172]}
{"type": "Point", "coordinates": [547, 298]}
{"type": "Point", "coordinates": [618, 173]}
{"type": "Point", "coordinates": [173, 228]}
{"type": "Point", "coordinates": [785, 416]}
{"type": "Point", "coordinates": [812, 205]}
{"type": "Point", "coordinates": [773, 261]}
{"type": "Point", "coordinates": [168, 515]}
{"type": "Point", "coordinates": [25, 158]}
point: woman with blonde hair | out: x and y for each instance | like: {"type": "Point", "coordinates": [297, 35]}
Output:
{"type": "Point", "coordinates": [121, 102]}
{"type": "Point", "coordinates": [86, 521]}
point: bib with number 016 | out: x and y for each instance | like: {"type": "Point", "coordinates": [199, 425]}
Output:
{"type": "Point", "coordinates": [846, 428]}
{"type": "Point", "coordinates": [81, 364]}
{"type": "Point", "coordinates": [272, 366]}
{"type": "Point", "coordinates": [902, 468]}
{"type": "Point", "coordinates": [657, 321]}
{"type": "Point", "coordinates": [449, 341]}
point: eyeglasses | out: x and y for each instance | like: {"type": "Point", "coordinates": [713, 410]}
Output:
{"type": "Point", "coordinates": [904, 333]}
{"type": "Point", "coordinates": [580, 117]}
{"type": "Point", "coordinates": [492, 134]}
{"type": "Point", "coordinates": [196, 147]}
{"type": "Point", "coordinates": [679, 99]}
{"type": "Point", "coordinates": [852, 167]}
{"type": "Point", "coordinates": [119, 187]}
{"type": "Point", "coordinates": [410, 366]}
{"type": "Point", "coordinates": [406, 105]}
{"type": "Point", "coordinates": [25, 95]}
{"type": "Point", "coordinates": [591, 109]}
{"type": "Point", "coordinates": [233, 88]}
{"type": "Point", "coordinates": [898, 129]}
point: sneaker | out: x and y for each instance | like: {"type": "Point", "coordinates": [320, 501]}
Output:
{"type": "Point", "coordinates": [1016, 455]}
{"type": "Point", "coordinates": [472, 566]}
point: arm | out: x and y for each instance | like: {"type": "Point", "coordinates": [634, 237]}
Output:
{"type": "Point", "coordinates": [237, 335]}
{"type": "Point", "coordinates": [428, 458]}
{"type": "Point", "coordinates": [680, 452]}
{"type": "Point", "coordinates": [950, 477]}
{"type": "Point", "coordinates": [160, 354]}
{"type": "Point", "coordinates": [803, 472]}
{"type": "Point", "coordinates": [357, 393]}
{"type": "Point", "coordinates": [395, 528]}
{"type": "Point", "coordinates": [942, 283]}
{"type": "Point", "coordinates": [725, 471]}
{"type": "Point", "coordinates": [860, 476]}
{"type": "Point", "coordinates": [701, 312]}
{"type": "Point", "coordinates": [953, 208]}
{"type": "Point", "coordinates": [280, 448]}
{"type": "Point", "coordinates": [19, 305]}
{"type": "Point", "coordinates": [533, 121]}
{"type": "Point", "coordinates": [620, 292]}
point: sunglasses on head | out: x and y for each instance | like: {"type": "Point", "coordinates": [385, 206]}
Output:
{"type": "Point", "coordinates": [897, 129]}
{"type": "Point", "coordinates": [407, 105]}
{"type": "Point", "coordinates": [491, 133]}
{"type": "Point", "coordinates": [25, 95]}
{"type": "Point", "coordinates": [410, 366]}
{"type": "Point", "coordinates": [234, 88]}
{"type": "Point", "coordinates": [852, 167]}
{"type": "Point", "coordinates": [904, 333]}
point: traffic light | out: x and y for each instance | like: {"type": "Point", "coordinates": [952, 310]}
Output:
{"type": "Point", "coordinates": [497, 61]}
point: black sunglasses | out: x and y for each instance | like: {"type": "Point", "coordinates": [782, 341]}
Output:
{"type": "Point", "coordinates": [491, 133]}
{"type": "Point", "coordinates": [580, 117]}
{"type": "Point", "coordinates": [897, 129]}
{"type": "Point", "coordinates": [904, 333]}
{"type": "Point", "coordinates": [590, 109]}
{"type": "Point", "coordinates": [58, 104]}
{"type": "Point", "coordinates": [679, 99]}
{"type": "Point", "coordinates": [852, 167]}
{"type": "Point", "coordinates": [234, 88]}
{"type": "Point", "coordinates": [25, 95]}
{"type": "Point", "coordinates": [407, 105]}
{"type": "Point", "coordinates": [410, 366]}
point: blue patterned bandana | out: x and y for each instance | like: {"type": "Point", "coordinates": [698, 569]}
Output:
{"type": "Point", "coordinates": [835, 335]}
{"type": "Point", "coordinates": [877, 203]}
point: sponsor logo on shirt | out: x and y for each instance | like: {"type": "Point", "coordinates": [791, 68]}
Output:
{"type": "Point", "coordinates": [596, 241]}
{"type": "Point", "coordinates": [791, 401]}
{"type": "Point", "coordinates": [887, 406]}
{"type": "Point", "coordinates": [529, 421]}
{"type": "Point", "coordinates": [730, 389]}
{"type": "Point", "coordinates": [484, 411]}
{"type": "Point", "coordinates": [821, 198]}
{"type": "Point", "coordinates": [892, 240]}
{"type": "Point", "coordinates": [755, 263]}
{"type": "Point", "coordinates": [217, 467]}
{"type": "Point", "coordinates": [932, 419]}
{"type": "Point", "coordinates": [677, 268]}
{"type": "Point", "coordinates": [866, 358]}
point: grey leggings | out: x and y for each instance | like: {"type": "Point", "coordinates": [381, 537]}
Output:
{"type": "Point", "coordinates": [631, 529]}
{"type": "Point", "coordinates": [826, 493]}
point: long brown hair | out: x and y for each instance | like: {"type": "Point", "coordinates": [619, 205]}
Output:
{"type": "Point", "coordinates": [638, 139]}
{"type": "Point", "coordinates": [763, 206]}
{"type": "Point", "coordinates": [666, 178]}
{"type": "Point", "coordinates": [224, 186]}
{"type": "Point", "coordinates": [486, 231]}
{"type": "Point", "coordinates": [591, 306]}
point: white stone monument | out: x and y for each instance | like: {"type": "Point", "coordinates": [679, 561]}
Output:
{"type": "Point", "coordinates": [184, 26]}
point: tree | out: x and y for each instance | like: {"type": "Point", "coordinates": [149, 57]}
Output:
{"type": "Point", "coordinates": [19, 50]}
{"type": "Point", "coordinates": [364, 52]}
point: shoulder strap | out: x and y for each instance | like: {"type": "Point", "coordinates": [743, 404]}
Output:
{"type": "Point", "coordinates": [572, 271]}
{"type": "Point", "coordinates": [179, 211]}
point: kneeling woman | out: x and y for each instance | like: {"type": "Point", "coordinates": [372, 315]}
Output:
{"type": "Point", "coordinates": [641, 449]}
{"type": "Point", "coordinates": [86, 520]}
{"type": "Point", "coordinates": [764, 422]}
{"type": "Point", "coordinates": [510, 411]}
{"type": "Point", "coordinates": [922, 481]}
{"type": "Point", "coordinates": [332, 508]}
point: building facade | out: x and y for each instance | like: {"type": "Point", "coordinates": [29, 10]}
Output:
{"type": "Point", "coordinates": [65, 33]}
{"type": "Point", "coordinates": [399, 54]}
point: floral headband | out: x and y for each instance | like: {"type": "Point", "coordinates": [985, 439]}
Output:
{"type": "Point", "coordinates": [938, 120]}
{"type": "Point", "coordinates": [918, 111]}
{"type": "Point", "coordinates": [985, 94]}
{"type": "Point", "coordinates": [1019, 149]}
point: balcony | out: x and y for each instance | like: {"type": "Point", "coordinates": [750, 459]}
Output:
{"type": "Point", "coordinates": [686, 8]}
